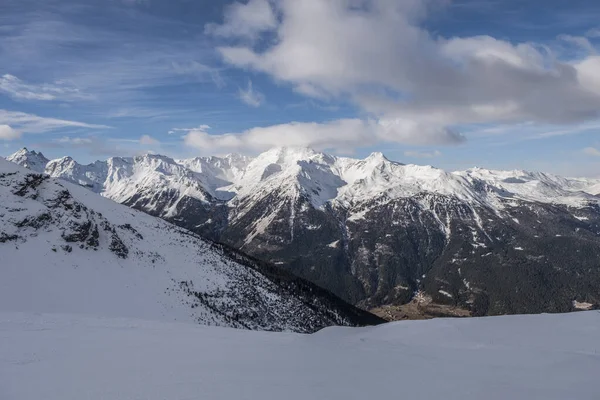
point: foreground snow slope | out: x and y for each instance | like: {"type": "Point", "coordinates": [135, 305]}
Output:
{"type": "Point", "coordinates": [64, 248]}
{"type": "Point", "coordinates": [59, 357]}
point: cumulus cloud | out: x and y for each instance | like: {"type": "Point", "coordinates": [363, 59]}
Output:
{"type": "Point", "coordinates": [251, 96]}
{"type": "Point", "coordinates": [8, 133]}
{"type": "Point", "coordinates": [347, 133]}
{"type": "Point", "coordinates": [21, 122]}
{"type": "Point", "coordinates": [377, 53]}
{"type": "Point", "coordinates": [592, 151]}
{"type": "Point", "coordinates": [20, 90]}
{"type": "Point", "coordinates": [422, 154]}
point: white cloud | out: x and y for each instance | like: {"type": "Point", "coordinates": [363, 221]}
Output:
{"type": "Point", "coordinates": [8, 133]}
{"type": "Point", "coordinates": [251, 96]}
{"type": "Point", "coordinates": [75, 141]}
{"type": "Point", "coordinates": [376, 53]}
{"type": "Point", "coordinates": [202, 127]}
{"type": "Point", "coordinates": [592, 151]}
{"type": "Point", "coordinates": [245, 20]}
{"type": "Point", "coordinates": [579, 41]}
{"type": "Point", "coordinates": [593, 33]}
{"type": "Point", "coordinates": [20, 90]}
{"type": "Point", "coordinates": [422, 154]}
{"type": "Point", "coordinates": [147, 140]}
{"type": "Point", "coordinates": [588, 73]}
{"type": "Point", "coordinates": [111, 63]}
{"type": "Point", "coordinates": [344, 133]}
{"type": "Point", "coordinates": [30, 123]}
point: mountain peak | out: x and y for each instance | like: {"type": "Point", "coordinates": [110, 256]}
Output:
{"type": "Point", "coordinates": [25, 151]}
{"type": "Point", "coordinates": [377, 155]}
{"type": "Point", "coordinates": [29, 159]}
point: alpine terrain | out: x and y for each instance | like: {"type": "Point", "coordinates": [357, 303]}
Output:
{"type": "Point", "coordinates": [376, 232]}
{"type": "Point", "coordinates": [65, 249]}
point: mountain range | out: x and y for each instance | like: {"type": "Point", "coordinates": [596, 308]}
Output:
{"type": "Point", "coordinates": [65, 249]}
{"type": "Point", "coordinates": [376, 232]}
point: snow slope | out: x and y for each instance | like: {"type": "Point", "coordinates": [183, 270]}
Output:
{"type": "Point", "coordinates": [65, 249]}
{"type": "Point", "coordinates": [63, 357]}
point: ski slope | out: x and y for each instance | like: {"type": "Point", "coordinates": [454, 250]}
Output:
{"type": "Point", "coordinates": [62, 357]}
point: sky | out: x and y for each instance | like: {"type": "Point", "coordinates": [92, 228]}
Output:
{"type": "Point", "coordinates": [511, 84]}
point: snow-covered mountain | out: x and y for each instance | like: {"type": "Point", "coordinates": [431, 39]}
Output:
{"type": "Point", "coordinates": [29, 159]}
{"type": "Point", "coordinates": [319, 177]}
{"type": "Point", "coordinates": [65, 249]}
{"type": "Point", "coordinates": [379, 232]}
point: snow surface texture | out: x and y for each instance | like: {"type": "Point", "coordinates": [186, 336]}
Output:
{"type": "Point", "coordinates": [320, 177]}
{"type": "Point", "coordinates": [66, 249]}
{"type": "Point", "coordinates": [62, 357]}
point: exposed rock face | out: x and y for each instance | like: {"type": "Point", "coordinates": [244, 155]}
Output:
{"type": "Point", "coordinates": [65, 249]}
{"type": "Point", "coordinates": [377, 232]}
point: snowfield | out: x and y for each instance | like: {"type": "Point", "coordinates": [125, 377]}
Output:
{"type": "Point", "coordinates": [63, 357]}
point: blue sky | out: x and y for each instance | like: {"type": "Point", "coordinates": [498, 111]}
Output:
{"type": "Point", "coordinates": [500, 84]}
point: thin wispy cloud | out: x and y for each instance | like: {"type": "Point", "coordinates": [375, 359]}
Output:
{"type": "Point", "coordinates": [580, 42]}
{"type": "Point", "coordinates": [148, 140]}
{"type": "Point", "coordinates": [75, 140]}
{"type": "Point", "coordinates": [21, 123]}
{"type": "Point", "coordinates": [251, 96]}
{"type": "Point", "coordinates": [591, 151]}
{"type": "Point", "coordinates": [114, 62]}
{"type": "Point", "coordinates": [202, 128]}
{"type": "Point", "coordinates": [57, 91]}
